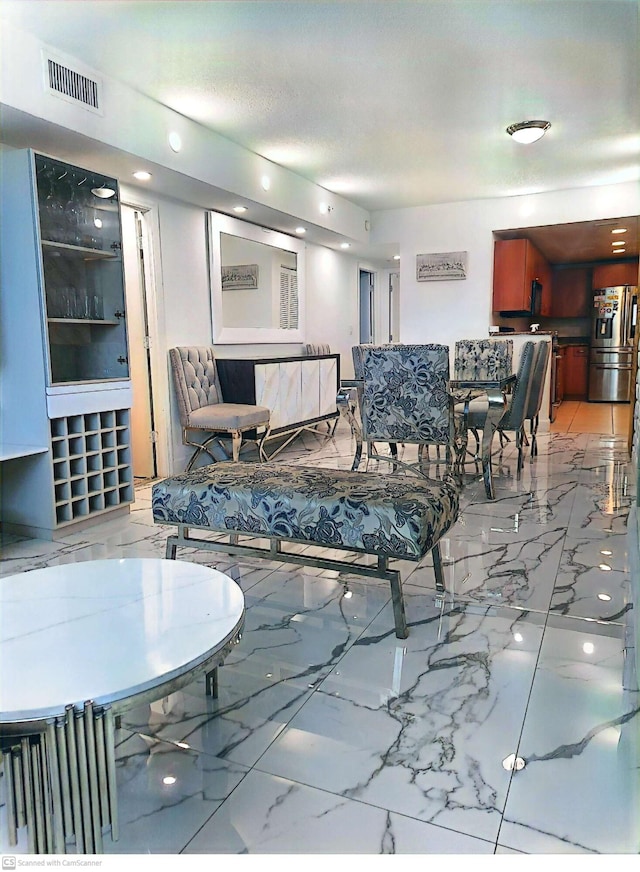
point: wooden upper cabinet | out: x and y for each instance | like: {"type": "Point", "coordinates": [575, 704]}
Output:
{"type": "Point", "coordinates": [516, 264]}
{"type": "Point", "coordinates": [571, 295]}
{"type": "Point", "coordinates": [608, 275]}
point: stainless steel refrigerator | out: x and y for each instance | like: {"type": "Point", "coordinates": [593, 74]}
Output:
{"type": "Point", "coordinates": [613, 329]}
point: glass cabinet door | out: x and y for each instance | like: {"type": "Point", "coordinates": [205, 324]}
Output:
{"type": "Point", "coordinates": [81, 244]}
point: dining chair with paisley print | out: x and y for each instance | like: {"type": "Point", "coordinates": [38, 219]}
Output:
{"type": "Point", "coordinates": [482, 359]}
{"type": "Point", "coordinates": [405, 399]}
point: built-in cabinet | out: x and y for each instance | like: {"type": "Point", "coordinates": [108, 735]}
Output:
{"type": "Point", "coordinates": [571, 293]}
{"type": "Point", "coordinates": [65, 385]}
{"type": "Point", "coordinates": [300, 391]}
{"type": "Point", "coordinates": [609, 275]}
{"type": "Point", "coordinates": [576, 372]}
{"type": "Point", "coordinates": [517, 264]}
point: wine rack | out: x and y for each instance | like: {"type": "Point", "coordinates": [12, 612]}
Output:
{"type": "Point", "coordinates": [91, 456]}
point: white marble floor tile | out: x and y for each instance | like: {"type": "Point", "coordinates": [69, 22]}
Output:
{"type": "Point", "coordinates": [271, 815]}
{"type": "Point", "coordinates": [165, 795]}
{"type": "Point", "coordinates": [593, 580]}
{"type": "Point", "coordinates": [329, 735]}
{"type": "Point", "coordinates": [419, 726]}
{"type": "Point", "coordinates": [579, 791]}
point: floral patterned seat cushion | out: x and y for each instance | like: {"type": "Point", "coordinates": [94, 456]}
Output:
{"type": "Point", "coordinates": [386, 515]}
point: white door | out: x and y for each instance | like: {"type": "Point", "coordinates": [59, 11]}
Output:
{"type": "Point", "coordinates": [142, 427]}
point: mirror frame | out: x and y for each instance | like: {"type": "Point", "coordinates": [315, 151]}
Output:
{"type": "Point", "coordinates": [217, 224]}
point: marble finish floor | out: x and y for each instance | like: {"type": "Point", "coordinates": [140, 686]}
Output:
{"type": "Point", "coordinates": [331, 736]}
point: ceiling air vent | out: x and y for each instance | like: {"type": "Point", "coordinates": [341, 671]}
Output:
{"type": "Point", "coordinates": [72, 85]}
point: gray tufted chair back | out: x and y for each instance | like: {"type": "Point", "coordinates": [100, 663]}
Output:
{"type": "Point", "coordinates": [317, 348]}
{"type": "Point", "coordinates": [515, 416]}
{"type": "Point", "coordinates": [196, 379]}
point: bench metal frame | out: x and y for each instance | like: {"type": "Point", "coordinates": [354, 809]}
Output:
{"type": "Point", "coordinates": [275, 552]}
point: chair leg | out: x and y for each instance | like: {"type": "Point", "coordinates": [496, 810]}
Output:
{"type": "Point", "coordinates": [236, 442]}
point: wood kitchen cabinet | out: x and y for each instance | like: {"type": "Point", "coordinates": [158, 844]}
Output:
{"type": "Point", "coordinates": [516, 264]}
{"type": "Point", "coordinates": [571, 293]}
{"type": "Point", "coordinates": [608, 275]}
{"type": "Point", "coordinates": [576, 371]}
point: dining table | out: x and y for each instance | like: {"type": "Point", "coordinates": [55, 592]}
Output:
{"type": "Point", "coordinates": [473, 386]}
{"type": "Point", "coordinates": [465, 387]}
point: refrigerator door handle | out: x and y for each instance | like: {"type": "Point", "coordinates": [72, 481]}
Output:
{"type": "Point", "coordinates": [634, 316]}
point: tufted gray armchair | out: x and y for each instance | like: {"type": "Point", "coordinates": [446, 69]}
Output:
{"type": "Point", "coordinates": [202, 406]}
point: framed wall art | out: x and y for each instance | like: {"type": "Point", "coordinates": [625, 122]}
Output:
{"type": "Point", "coordinates": [440, 266]}
{"type": "Point", "coordinates": [242, 277]}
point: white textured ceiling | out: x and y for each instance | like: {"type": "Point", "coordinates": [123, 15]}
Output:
{"type": "Point", "coordinates": [390, 104]}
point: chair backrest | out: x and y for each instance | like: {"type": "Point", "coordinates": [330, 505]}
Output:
{"type": "Point", "coordinates": [317, 348]}
{"type": "Point", "coordinates": [482, 358]}
{"type": "Point", "coordinates": [543, 350]}
{"type": "Point", "coordinates": [405, 395]}
{"type": "Point", "coordinates": [515, 416]}
{"type": "Point", "coordinates": [195, 377]}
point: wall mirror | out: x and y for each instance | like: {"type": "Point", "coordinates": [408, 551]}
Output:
{"type": "Point", "coordinates": [257, 283]}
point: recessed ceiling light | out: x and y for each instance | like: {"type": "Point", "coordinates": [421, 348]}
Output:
{"type": "Point", "coordinates": [528, 131]}
{"type": "Point", "coordinates": [175, 141]}
{"type": "Point", "coordinates": [518, 637]}
{"type": "Point", "coordinates": [588, 647]}
{"type": "Point", "coordinates": [265, 181]}
{"type": "Point", "coordinates": [618, 251]}
{"type": "Point", "coordinates": [301, 230]}
{"type": "Point", "coordinates": [142, 175]}
{"type": "Point", "coordinates": [324, 208]}
{"type": "Point", "coordinates": [619, 242]}
{"type": "Point", "coordinates": [620, 230]}
{"type": "Point", "coordinates": [239, 209]}
{"type": "Point", "coordinates": [97, 222]}
{"type": "Point", "coordinates": [345, 245]}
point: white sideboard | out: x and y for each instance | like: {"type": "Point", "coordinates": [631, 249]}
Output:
{"type": "Point", "coordinates": [300, 391]}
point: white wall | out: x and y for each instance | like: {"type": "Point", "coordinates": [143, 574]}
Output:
{"type": "Point", "coordinates": [184, 310]}
{"type": "Point", "coordinates": [445, 311]}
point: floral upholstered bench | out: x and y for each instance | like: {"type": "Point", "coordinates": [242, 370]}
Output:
{"type": "Point", "coordinates": [386, 516]}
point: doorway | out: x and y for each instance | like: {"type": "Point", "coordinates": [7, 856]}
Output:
{"type": "Point", "coordinates": [394, 306]}
{"type": "Point", "coordinates": [366, 291]}
{"type": "Point", "coordinates": [136, 261]}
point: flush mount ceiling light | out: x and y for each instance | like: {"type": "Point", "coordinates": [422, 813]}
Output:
{"type": "Point", "coordinates": [103, 191]}
{"type": "Point", "coordinates": [528, 131]}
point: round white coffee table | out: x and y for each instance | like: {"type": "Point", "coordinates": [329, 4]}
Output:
{"type": "Point", "coordinates": [79, 644]}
